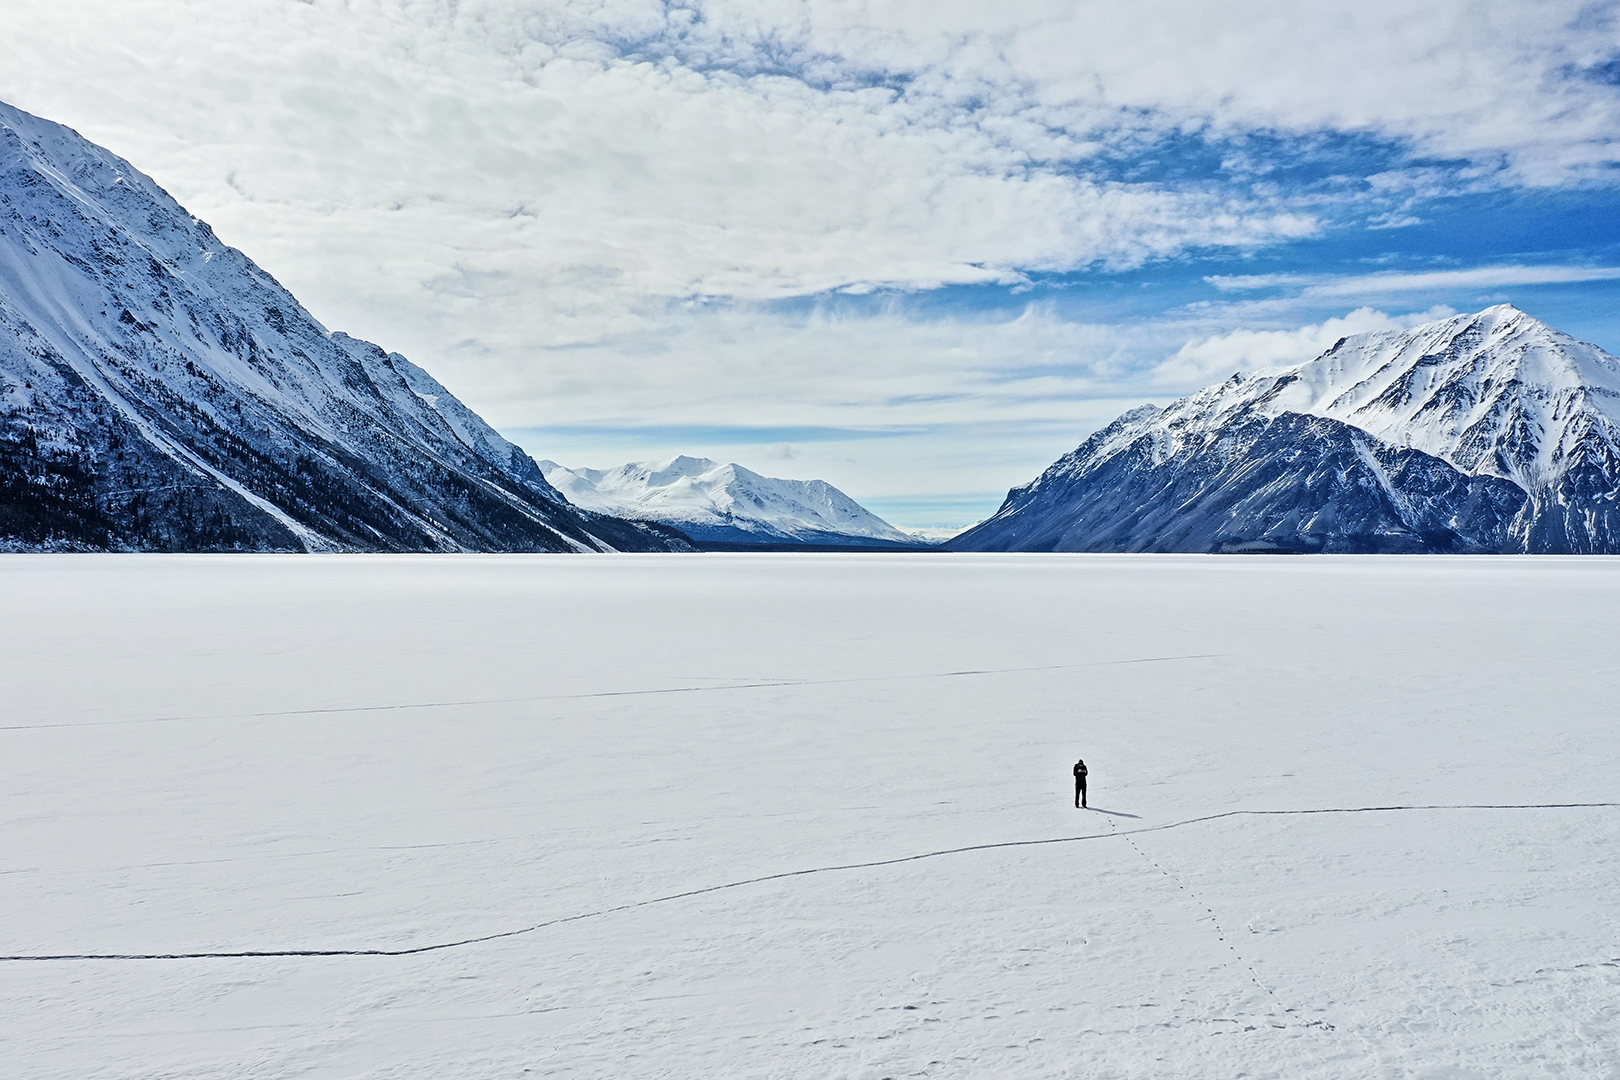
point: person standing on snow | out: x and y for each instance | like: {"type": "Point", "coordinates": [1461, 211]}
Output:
{"type": "Point", "coordinates": [1080, 784]}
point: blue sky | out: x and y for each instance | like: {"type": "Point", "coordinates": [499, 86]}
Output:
{"type": "Point", "coordinates": [917, 249]}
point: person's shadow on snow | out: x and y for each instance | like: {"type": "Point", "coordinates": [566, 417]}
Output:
{"type": "Point", "coordinates": [1113, 813]}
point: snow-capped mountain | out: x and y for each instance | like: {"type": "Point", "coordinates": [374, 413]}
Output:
{"type": "Point", "coordinates": [711, 502]}
{"type": "Point", "coordinates": [1484, 432]}
{"type": "Point", "coordinates": [158, 391]}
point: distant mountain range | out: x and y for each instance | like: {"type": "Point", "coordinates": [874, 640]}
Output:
{"type": "Point", "coordinates": [717, 504]}
{"type": "Point", "coordinates": [1490, 432]}
{"type": "Point", "coordinates": [158, 391]}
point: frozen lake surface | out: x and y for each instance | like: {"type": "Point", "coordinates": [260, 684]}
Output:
{"type": "Point", "coordinates": [353, 753]}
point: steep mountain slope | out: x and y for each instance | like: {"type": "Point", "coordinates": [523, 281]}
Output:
{"type": "Point", "coordinates": [1199, 477]}
{"type": "Point", "coordinates": [158, 391]}
{"type": "Point", "coordinates": [711, 502]}
{"type": "Point", "coordinates": [1485, 432]}
{"type": "Point", "coordinates": [1498, 393]}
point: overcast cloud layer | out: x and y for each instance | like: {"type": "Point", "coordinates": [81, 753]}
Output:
{"type": "Point", "coordinates": [935, 241]}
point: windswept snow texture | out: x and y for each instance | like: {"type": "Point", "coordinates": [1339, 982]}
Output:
{"type": "Point", "coordinates": [159, 391]}
{"type": "Point", "coordinates": [221, 754]}
{"type": "Point", "coordinates": [1490, 432]}
{"type": "Point", "coordinates": [711, 502]}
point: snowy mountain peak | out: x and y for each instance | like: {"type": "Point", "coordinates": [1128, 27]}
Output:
{"type": "Point", "coordinates": [1484, 432]}
{"type": "Point", "coordinates": [711, 501]}
{"type": "Point", "coordinates": [680, 467]}
{"type": "Point", "coordinates": [1496, 393]}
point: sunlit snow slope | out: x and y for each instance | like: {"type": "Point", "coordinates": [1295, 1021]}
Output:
{"type": "Point", "coordinates": [160, 391]}
{"type": "Point", "coordinates": [1353, 817]}
{"type": "Point", "coordinates": [1490, 432]}
{"type": "Point", "coordinates": [713, 502]}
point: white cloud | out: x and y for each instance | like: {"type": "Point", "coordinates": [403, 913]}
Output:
{"type": "Point", "coordinates": [497, 165]}
{"type": "Point", "coordinates": [538, 169]}
{"type": "Point", "coordinates": [576, 211]}
{"type": "Point", "coordinates": [1201, 362]}
{"type": "Point", "coordinates": [752, 148]}
{"type": "Point", "coordinates": [1253, 282]}
{"type": "Point", "coordinates": [749, 365]}
{"type": "Point", "coordinates": [1515, 84]}
{"type": "Point", "coordinates": [1481, 277]}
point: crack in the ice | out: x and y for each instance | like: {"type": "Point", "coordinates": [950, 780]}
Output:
{"type": "Point", "coordinates": [1541, 974]}
{"type": "Point", "coordinates": [416, 950]}
{"type": "Point", "coordinates": [767, 684]}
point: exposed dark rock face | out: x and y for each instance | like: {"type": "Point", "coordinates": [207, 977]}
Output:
{"type": "Point", "coordinates": [1289, 483]}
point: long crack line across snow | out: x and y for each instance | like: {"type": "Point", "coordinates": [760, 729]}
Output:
{"type": "Point", "coordinates": [763, 685]}
{"type": "Point", "coordinates": [246, 954]}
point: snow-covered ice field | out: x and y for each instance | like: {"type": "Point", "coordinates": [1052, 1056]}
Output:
{"type": "Point", "coordinates": [236, 754]}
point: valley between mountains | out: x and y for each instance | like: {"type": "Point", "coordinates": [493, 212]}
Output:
{"type": "Point", "coordinates": [161, 392]}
